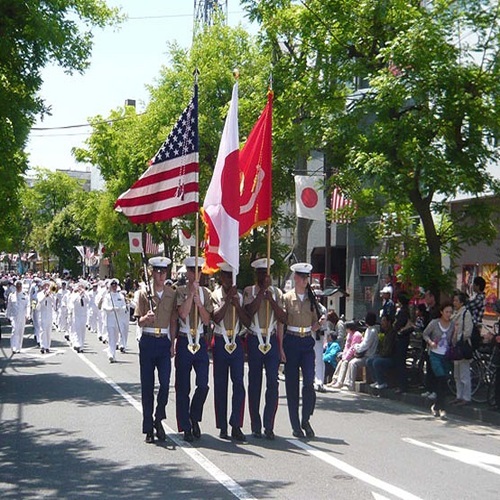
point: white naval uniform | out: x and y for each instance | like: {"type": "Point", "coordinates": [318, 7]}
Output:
{"type": "Point", "coordinates": [45, 306]}
{"type": "Point", "coordinates": [113, 304]}
{"type": "Point", "coordinates": [93, 312]}
{"type": "Point", "coordinates": [62, 310]}
{"type": "Point", "coordinates": [78, 305]}
{"type": "Point", "coordinates": [17, 312]}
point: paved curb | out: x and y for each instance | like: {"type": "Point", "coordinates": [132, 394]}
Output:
{"type": "Point", "coordinates": [477, 412]}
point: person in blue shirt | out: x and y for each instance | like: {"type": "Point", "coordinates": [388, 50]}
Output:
{"type": "Point", "coordinates": [332, 349]}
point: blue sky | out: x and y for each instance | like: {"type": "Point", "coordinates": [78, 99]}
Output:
{"type": "Point", "coordinates": [123, 62]}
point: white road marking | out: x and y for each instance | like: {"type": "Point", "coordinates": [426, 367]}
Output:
{"type": "Point", "coordinates": [230, 484]}
{"type": "Point", "coordinates": [357, 473]}
{"type": "Point", "coordinates": [485, 461]}
{"type": "Point", "coordinates": [378, 496]}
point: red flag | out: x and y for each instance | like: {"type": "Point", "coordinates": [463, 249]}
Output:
{"type": "Point", "coordinates": [169, 187]}
{"type": "Point", "coordinates": [256, 170]}
{"type": "Point", "coordinates": [221, 208]}
{"type": "Point", "coordinates": [339, 203]}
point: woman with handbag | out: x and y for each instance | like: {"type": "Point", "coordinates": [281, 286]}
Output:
{"type": "Point", "coordinates": [437, 335]}
{"type": "Point", "coordinates": [461, 342]}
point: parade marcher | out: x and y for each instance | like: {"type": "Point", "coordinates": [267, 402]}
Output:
{"type": "Point", "coordinates": [228, 355]}
{"type": "Point", "coordinates": [93, 313]}
{"type": "Point", "coordinates": [264, 304]}
{"type": "Point", "coordinates": [112, 304]}
{"type": "Point", "coordinates": [157, 317]}
{"type": "Point", "coordinates": [194, 306]}
{"type": "Point", "coordinates": [302, 321]}
{"type": "Point", "coordinates": [45, 307]}
{"type": "Point", "coordinates": [78, 305]}
{"type": "Point", "coordinates": [62, 308]}
{"type": "Point", "coordinates": [17, 312]}
{"type": "Point", "coordinates": [35, 313]}
{"type": "Point", "coordinates": [123, 319]}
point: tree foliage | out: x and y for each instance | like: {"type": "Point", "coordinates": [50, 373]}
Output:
{"type": "Point", "coordinates": [32, 34]}
{"type": "Point", "coordinates": [403, 97]}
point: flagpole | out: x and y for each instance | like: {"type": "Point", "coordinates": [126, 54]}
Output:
{"type": "Point", "coordinates": [145, 268]}
{"type": "Point", "coordinates": [196, 274]}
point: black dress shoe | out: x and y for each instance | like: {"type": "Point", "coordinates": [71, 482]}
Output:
{"type": "Point", "coordinates": [237, 435]}
{"type": "Point", "coordinates": [308, 429]}
{"type": "Point", "coordinates": [150, 438]}
{"type": "Point", "coordinates": [269, 434]}
{"type": "Point", "coordinates": [42, 351]}
{"type": "Point", "coordinates": [298, 433]}
{"type": "Point", "coordinates": [195, 426]}
{"type": "Point", "coordinates": [223, 434]}
{"type": "Point", "coordinates": [257, 434]}
{"type": "Point", "coordinates": [188, 436]}
{"type": "Point", "coordinates": [160, 431]}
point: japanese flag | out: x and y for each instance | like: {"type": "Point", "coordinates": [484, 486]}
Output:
{"type": "Point", "coordinates": [309, 197]}
{"type": "Point", "coordinates": [135, 242]}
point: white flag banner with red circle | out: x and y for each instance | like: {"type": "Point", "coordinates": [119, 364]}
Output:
{"type": "Point", "coordinates": [309, 197]}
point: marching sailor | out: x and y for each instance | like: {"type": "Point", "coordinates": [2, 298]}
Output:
{"type": "Point", "coordinates": [194, 306]}
{"type": "Point", "coordinates": [298, 344]}
{"type": "Point", "coordinates": [17, 313]}
{"type": "Point", "coordinates": [264, 304]}
{"type": "Point", "coordinates": [228, 355]}
{"type": "Point", "coordinates": [157, 318]}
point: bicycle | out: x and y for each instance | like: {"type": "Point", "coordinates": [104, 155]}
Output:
{"type": "Point", "coordinates": [483, 367]}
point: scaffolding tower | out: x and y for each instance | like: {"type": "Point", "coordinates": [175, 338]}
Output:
{"type": "Point", "coordinates": [205, 11]}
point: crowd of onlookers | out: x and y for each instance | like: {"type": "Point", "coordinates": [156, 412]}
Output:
{"type": "Point", "coordinates": [449, 332]}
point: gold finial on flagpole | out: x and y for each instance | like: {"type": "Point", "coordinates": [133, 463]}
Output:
{"type": "Point", "coordinates": [236, 73]}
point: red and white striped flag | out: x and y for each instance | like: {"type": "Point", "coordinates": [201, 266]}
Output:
{"type": "Point", "coordinates": [339, 204]}
{"type": "Point", "coordinates": [169, 187]}
{"type": "Point", "coordinates": [150, 248]}
{"type": "Point", "coordinates": [221, 208]}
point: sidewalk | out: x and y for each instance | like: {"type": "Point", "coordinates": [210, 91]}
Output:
{"type": "Point", "coordinates": [475, 411]}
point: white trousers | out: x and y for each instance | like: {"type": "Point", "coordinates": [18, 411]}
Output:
{"type": "Point", "coordinates": [16, 338]}
{"type": "Point", "coordinates": [319, 366]}
{"type": "Point", "coordinates": [461, 372]}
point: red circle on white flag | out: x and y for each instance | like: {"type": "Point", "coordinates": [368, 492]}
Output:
{"type": "Point", "coordinates": [136, 242]}
{"type": "Point", "coordinates": [309, 197]}
{"type": "Point", "coordinates": [186, 233]}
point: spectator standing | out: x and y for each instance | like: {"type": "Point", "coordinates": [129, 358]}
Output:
{"type": "Point", "coordinates": [463, 331]}
{"type": "Point", "coordinates": [438, 335]}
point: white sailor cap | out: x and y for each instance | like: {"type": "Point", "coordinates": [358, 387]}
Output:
{"type": "Point", "coordinates": [386, 289]}
{"type": "Point", "coordinates": [261, 263]}
{"type": "Point", "coordinates": [159, 262]}
{"type": "Point", "coordinates": [46, 282]}
{"type": "Point", "coordinates": [191, 262]}
{"type": "Point", "coordinates": [301, 268]}
{"type": "Point", "coordinates": [225, 267]}
{"type": "Point", "coordinates": [114, 281]}
{"type": "Point", "coordinates": [83, 283]}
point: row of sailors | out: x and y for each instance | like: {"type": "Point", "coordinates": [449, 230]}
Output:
{"type": "Point", "coordinates": [101, 308]}
{"type": "Point", "coordinates": [262, 311]}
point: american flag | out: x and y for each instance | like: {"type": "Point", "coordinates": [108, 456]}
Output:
{"type": "Point", "coordinates": [339, 204]}
{"type": "Point", "coordinates": [169, 187]}
{"type": "Point", "coordinates": [150, 247]}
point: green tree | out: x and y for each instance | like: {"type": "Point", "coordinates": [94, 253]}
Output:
{"type": "Point", "coordinates": [122, 144]}
{"type": "Point", "coordinates": [32, 34]}
{"type": "Point", "coordinates": [418, 121]}
{"type": "Point", "coordinates": [41, 206]}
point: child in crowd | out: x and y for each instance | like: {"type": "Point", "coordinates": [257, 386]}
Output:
{"type": "Point", "coordinates": [332, 349]}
